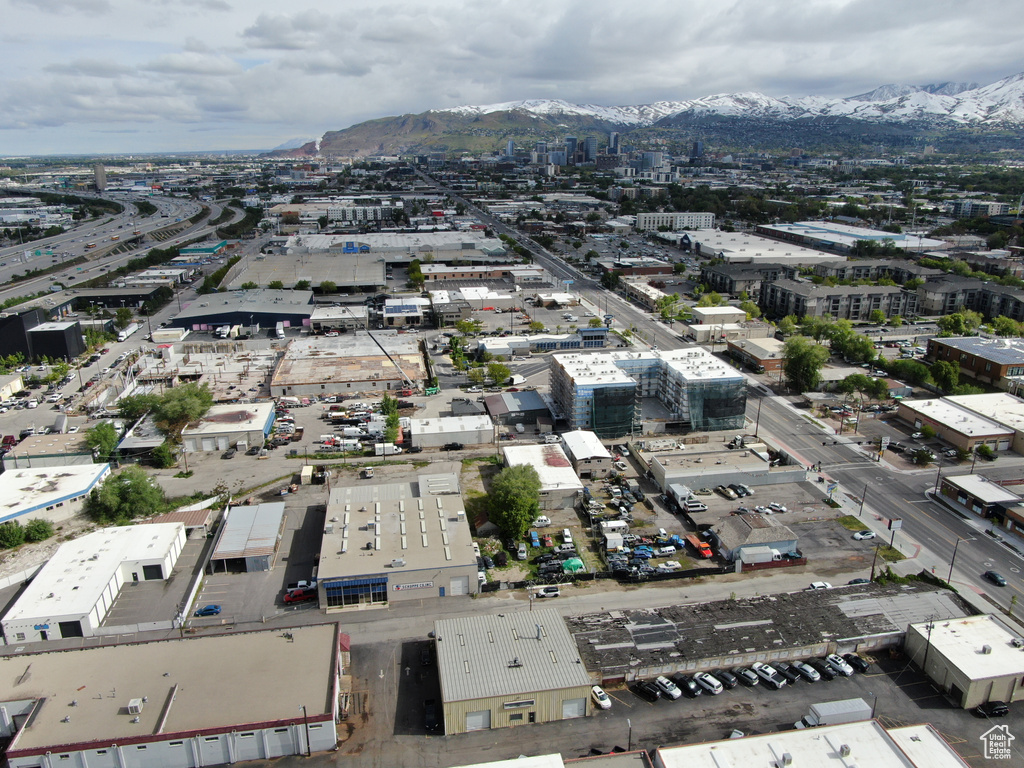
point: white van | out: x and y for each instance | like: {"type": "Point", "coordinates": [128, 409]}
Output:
{"type": "Point", "coordinates": [552, 439]}
{"type": "Point", "coordinates": [567, 536]}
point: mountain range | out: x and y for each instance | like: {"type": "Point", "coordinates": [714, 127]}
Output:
{"type": "Point", "coordinates": [895, 114]}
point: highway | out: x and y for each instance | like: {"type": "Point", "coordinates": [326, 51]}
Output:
{"type": "Point", "coordinates": [890, 493]}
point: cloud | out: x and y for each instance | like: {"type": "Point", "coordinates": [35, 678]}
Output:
{"type": "Point", "coordinates": [86, 7]}
{"type": "Point", "coordinates": [90, 68]}
{"type": "Point", "coordinates": [190, 63]}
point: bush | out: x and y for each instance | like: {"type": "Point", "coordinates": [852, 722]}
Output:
{"type": "Point", "coordinates": [11, 534]}
{"type": "Point", "coordinates": [985, 452]}
{"type": "Point", "coordinates": [38, 530]}
{"type": "Point", "coordinates": [928, 431]}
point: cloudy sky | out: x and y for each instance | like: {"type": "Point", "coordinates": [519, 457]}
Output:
{"type": "Point", "coordinates": [123, 76]}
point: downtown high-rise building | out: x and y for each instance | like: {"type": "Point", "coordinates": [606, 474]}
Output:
{"type": "Point", "coordinates": [510, 148]}
{"type": "Point", "coordinates": [590, 149]}
{"type": "Point", "coordinates": [100, 176]}
{"type": "Point", "coordinates": [570, 147]}
{"type": "Point", "coordinates": [613, 143]}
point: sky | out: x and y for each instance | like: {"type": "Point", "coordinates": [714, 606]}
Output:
{"type": "Point", "coordinates": [137, 76]}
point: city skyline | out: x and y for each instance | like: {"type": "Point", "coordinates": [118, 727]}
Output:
{"type": "Point", "coordinates": [108, 76]}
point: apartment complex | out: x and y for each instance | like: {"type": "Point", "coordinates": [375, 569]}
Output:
{"type": "Point", "coordinates": [843, 302]}
{"type": "Point", "coordinates": [999, 362]}
{"type": "Point", "coordinates": [603, 392]}
{"type": "Point", "coordinates": [645, 222]}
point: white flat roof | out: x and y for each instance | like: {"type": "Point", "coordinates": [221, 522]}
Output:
{"type": "Point", "coordinates": [73, 579]}
{"type": "Point", "coordinates": [982, 488]}
{"type": "Point", "coordinates": [193, 685]}
{"type": "Point", "coordinates": [25, 490]}
{"type": "Point", "coordinates": [1001, 407]}
{"type": "Point", "coordinates": [957, 418]}
{"type": "Point", "coordinates": [870, 745]}
{"type": "Point", "coordinates": [550, 461]}
{"type": "Point", "coordinates": [583, 444]}
{"type": "Point", "coordinates": [244, 417]}
{"type": "Point", "coordinates": [743, 247]}
{"type": "Point", "coordinates": [452, 424]}
{"type": "Point", "coordinates": [961, 642]}
{"type": "Point", "coordinates": [717, 311]}
{"type": "Point", "coordinates": [690, 363]}
{"type": "Point", "coordinates": [54, 326]}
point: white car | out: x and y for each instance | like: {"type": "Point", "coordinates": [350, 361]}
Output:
{"type": "Point", "coordinates": [621, 466]}
{"type": "Point", "coordinates": [838, 663]}
{"type": "Point", "coordinates": [548, 592]}
{"type": "Point", "coordinates": [667, 687]}
{"type": "Point", "coordinates": [768, 673]}
{"type": "Point", "coordinates": [709, 683]}
{"type": "Point", "coordinates": [670, 565]}
{"type": "Point", "coordinates": [601, 699]}
{"type": "Point", "coordinates": [861, 535]}
{"type": "Point", "coordinates": [820, 585]}
{"type": "Point", "coordinates": [777, 507]}
{"type": "Point", "coordinates": [541, 522]}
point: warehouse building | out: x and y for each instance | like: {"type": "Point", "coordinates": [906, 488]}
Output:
{"type": "Point", "coordinates": [559, 484]}
{"type": "Point", "coordinates": [230, 426]}
{"type": "Point", "coordinates": [53, 450]}
{"type": "Point", "coordinates": [358, 362]}
{"type": "Point", "coordinates": [851, 744]}
{"type": "Point", "coordinates": [262, 308]}
{"type": "Point", "coordinates": [176, 703]}
{"type": "Point", "coordinates": [511, 408]}
{"type": "Point", "coordinates": [743, 537]}
{"type": "Point", "coordinates": [509, 669]}
{"type": "Point", "coordinates": [50, 493]}
{"type": "Point", "coordinates": [603, 392]}
{"type": "Point", "coordinates": [74, 591]}
{"type": "Point", "coordinates": [468, 430]}
{"type": "Point", "coordinates": [395, 542]}
{"type": "Point", "coordinates": [589, 457]}
{"type": "Point", "coordinates": [339, 318]}
{"type": "Point", "coordinates": [973, 659]}
{"type": "Point", "coordinates": [350, 273]}
{"type": "Point", "coordinates": [248, 539]}
{"type": "Point", "coordinates": [705, 461]}
{"type": "Point", "coordinates": [10, 384]}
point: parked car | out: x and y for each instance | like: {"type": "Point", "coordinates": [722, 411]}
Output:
{"type": "Point", "coordinates": [452, 447]}
{"type": "Point", "coordinates": [300, 595]}
{"type": "Point", "coordinates": [726, 678]}
{"type": "Point", "coordinates": [668, 689]}
{"type": "Point", "coordinates": [996, 578]}
{"type": "Point", "coordinates": [687, 684]}
{"type": "Point", "coordinates": [709, 683]}
{"type": "Point", "coordinates": [806, 671]}
{"type": "Point", "coordinates": [788, 672]}
{"type": "Point", "coordinates": [863, 535]}
{"type": "Point", "coordinates": [838, 663]}
{"type": "Point", "coordinates": [824, 670]}
{"type": "Point", "coordinates": [738, 490]}
{"type": "Point", "coordinates": [768, 674]}
{"type": "Point", "coordinates": [601, 699]}
{"type": "Point", "coordinates": [548, 592]}
{"type": "Point", "coordinates": [729, 493]}
{"type": "Point", "coordinates": [856, 662]}
{"type": "Point", "coordinates": [859, 581]}
{"type": "Point", "coordinates": [820, 585]}
{"type": "Point", "coordinates": [229, 453]}
{"type": "Point", "coordinates": [647, 690]}
{"type": "Point", "coordinates": [746, 676]}
{"type": "Point", "coordinates": [992, 709]}
{"type": "Point", "coordinates": [208, 610]}
{"type": "Point", "coordinates": [430, 721]}
{"type": "Point", "coordinates": [541, 522]}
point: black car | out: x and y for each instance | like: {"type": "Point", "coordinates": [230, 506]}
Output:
{"type": "Point", "coordinates": [687, 685]}
{"type": "Point", "coordinates": [856, 662]}
{"type": "Point", "coordinates": [992, 709]}
{"type": "Point", "coordinates": [480, 563]}
{"type": "Point", "coordinates": [738, 490]}
{"type": "Point", "coordinates": [452, 447]}
{"type": "Point", "coordinates": [547, 557]}
{"type": "Point", "coordinates": [488, 562]}
{"type": "Point", "coordinates": [787, 672]}
{"type": "Point", "coordinates": [430, 715]}
{"type": "Point", "coordinates": [996, 578]}
{"type": "Point", "coordinates": [726, 678]}
{"type": "Point", "coordinates": [253, 451]}
{"type": "Point", "coordinates": [229, 453]}
{"type": "Point", "coordinates": [647, 690]}
{"type": "Point", "coordinates": [426, 657]}
{"type": "Point", "coordinates": [823, 669]}
{"type": "Point", "coordinates": [416, 449]}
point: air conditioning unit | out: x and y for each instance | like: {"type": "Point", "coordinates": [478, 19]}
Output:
{"type": "Point", "coordinates": [135, 706]}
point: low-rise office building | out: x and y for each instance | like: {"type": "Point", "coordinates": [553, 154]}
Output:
{"type": "Point", "coordinates": [983, 497]}
{"type": "Point", "coordinates": [436, 432]}
{"type": "Point", "coordinates": [395, 542]}
{"type": "Point", "coordinates": [960, 427]}
{"type": "Point", "coordinates": [74, 591]}
{"type": "Point", "coordinates": [759, 355]}
{"type": "Point", "coordinates": [999, 362]}
{"type": "Point", "coordinates": [339, 318]}
{"type": "Point", "coordinates": [51, 493]}
{"type": "Point", "coordinates": [509, 669]}
{"type": "Point", "coordinates": [510, 408]}
{"type": "Point", "coordinates": [176, 703]}
{"type": "Point", "coordinates": [972, 659]}
{"type": "Point", "coordinates": [559, 484]}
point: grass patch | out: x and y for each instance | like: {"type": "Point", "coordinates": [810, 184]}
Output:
{"type": "Point", "coordinates": [831, 502]}
{"type": "Point", "coordinates": [851, 523]}
{"type": "Point", "coordinates": [495, 460]}
{"type": "Point", "coordinates": [185, 474]}
{"type": "Point", "coordinates": [814, 421]}
{"type": "Point", "coordinates": [890, 554]}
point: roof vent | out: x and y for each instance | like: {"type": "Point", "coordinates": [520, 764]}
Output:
{"type": "Point", "coordinates": [986, 649]}
{"type": "Point", "coordinates": [844, 750]}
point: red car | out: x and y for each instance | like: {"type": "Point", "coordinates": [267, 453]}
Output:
{"type": "Point", "coordinates": [300, 595]}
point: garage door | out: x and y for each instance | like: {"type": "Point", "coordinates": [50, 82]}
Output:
{"type": "Point", "coordinates": [459, 585]}
{"type": "Point", "coordinates": [209, 444]}
{"type": "Point", "coordinates": [1004, 445]}
{"type": "Point", "coordinates": [574, 708]}
{"type": "Point", "coordinates": [478, 721]}
{"type": "Point", "coordinates": [222, 443]}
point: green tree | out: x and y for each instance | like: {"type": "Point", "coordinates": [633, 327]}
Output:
{"type": "Point", "coordinates": [788, 325]}
{"type": "Point", "coordinates": [946, 375]}
{"type": "Point", "coordinates": [802, 363]}
{"type": "Point", "coordinates": [851, 346]}
{"type": "Point", "coordinates": [895, 321]}
{"type": "Point", "coordinates": [817, 328]}
{"type": "Point", "coordinates": [180, 406]}
{"type": "Point", "coordinates": [928, 431]}
{"type": "Point", "coordinates": [468, 327]}
{"type": "Point", "coordinates": [611, 279]}
{"type": "Point", "coordinates": [595, 322]}
{"type": "Point", "coordinates": [963, 323]}
{"type": "Point", "coordinates": [753, 311]}
{"type": "Point", "coordinates": [877, 316]}
{"type": "Point", "coordinates": [415, 273]}
{"type": "Point", "coordinates": [11, 534]}
{"type": "Point", "coordinates": [712, 299]}
{"type": "Point", "coordinates": [986, 452]}
{"type": "Point", "coordinates": [536, 326]}
{"type": "Point", "coordinates": [388, 405]}
{"type": "Point", "coordinates": [38, 530]}
{"type": "Point", "coordinates": [499, 373]}
{"type": "Point", "coordinates": [250, 285]}
{"type": "Point", "coordinates": [1005, 326]}
{"type": "Point", "coordinates": [122, 317]}
{"type": "Point", "coordinates": [303, 285]}
{"type": "Point", "coordinates": [328, 286]}
{"type": "Point", "coordinates": [164, 456]}
{"type": "Point", "coordinates": [515, 499]}
{"type": "Point", "coordinates": [477, 375]}
{"type": "Point", "coordinates": [276, 285]}
{"type": "Point", "coordinates": [129, 494]}
{"type": "Point", "coordinates": [391, 426]}
{"type": "Point", "coordinates": [910, 371]}
{"type": "Point", "coordinates": [103, 440]}
{"type": "Point", "coordinates": [134, 407]}
{"type": "Point", "coordinates": [922, 456]}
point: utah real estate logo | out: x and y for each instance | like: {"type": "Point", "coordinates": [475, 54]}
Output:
{"type": "Point", "coordinates": [997, 742]}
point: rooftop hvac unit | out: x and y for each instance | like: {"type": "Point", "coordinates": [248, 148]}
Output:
{"type": "Point", "coordinates": [986, 649]}
{"type": "Point", "coordinates": [844, 750]}
{"type": "Point", "coordinates": [134, 706]}
{"type": "Point", "coordinates": [398, 563]}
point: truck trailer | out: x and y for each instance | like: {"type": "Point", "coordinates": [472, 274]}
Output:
{"type": "Point", "coordinates": [124, 333]}
{"type": "Point", "coordinates": [835, 713]}
{"type": "Point", "coordinates": [386, 449]}
{"type": "Point", "coordinates": [700, 546]}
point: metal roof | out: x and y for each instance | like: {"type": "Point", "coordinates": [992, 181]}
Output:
{"type": "Point", "coordinates": [1001, 351]}
{"type": "Point", "coordinates": [506, 655]}
{"type": "Point", "coordinates": [250, 531]}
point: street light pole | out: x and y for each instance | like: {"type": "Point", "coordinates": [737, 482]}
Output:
{"type": "Point", "coordinates": [949, 579]}
{"type": "Point", "coordinates": [629, 743]}
{"type": "Point", "coordinates": [305, 720]}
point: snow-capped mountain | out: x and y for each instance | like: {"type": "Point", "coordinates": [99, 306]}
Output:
{"type": "Point", "coordinates": [999, 103]}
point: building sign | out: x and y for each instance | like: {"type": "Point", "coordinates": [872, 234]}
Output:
{"type": "Point", "coordinates": [420, 585]}
{"type": "Point", "coordinates": [38, 627]}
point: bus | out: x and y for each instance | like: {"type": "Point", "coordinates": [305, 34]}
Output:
{"type": "Point", "coordinates": [89, 246]}
{"type": "Point", "coordinates": [115, 238]}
